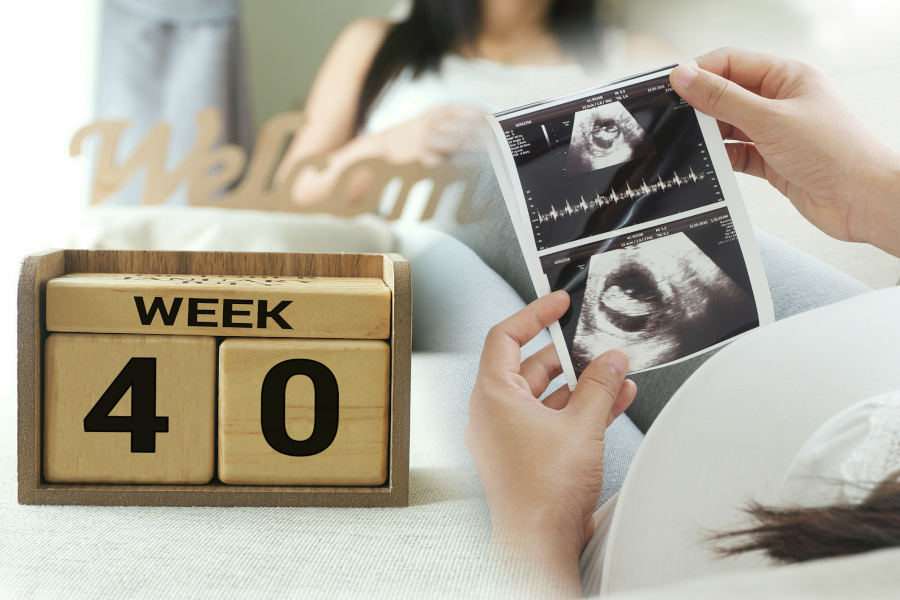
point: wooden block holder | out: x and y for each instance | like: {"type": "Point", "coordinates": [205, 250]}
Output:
{"type": "Point", "coordinates": [39, 268]}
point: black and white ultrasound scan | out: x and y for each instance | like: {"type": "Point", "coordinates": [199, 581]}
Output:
{"type": "Point", "coordinates": [659, 294]}
{"type": "Point", "coordinates": [623, 195]}
{"type": "Point", "coordinates": [605, 136]}
{"type": "Point", "coordinates": [613, 160]}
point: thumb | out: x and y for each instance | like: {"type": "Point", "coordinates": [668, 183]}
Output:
{"type": "Point", "coordinates": [720, 98]}
{"type": "Point", "coordinates": [599, 384]}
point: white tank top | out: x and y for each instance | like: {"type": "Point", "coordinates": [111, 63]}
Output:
{"type": "Point", "coordinates": [484, 84]}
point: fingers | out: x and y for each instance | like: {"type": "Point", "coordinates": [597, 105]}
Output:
{"type": "Point", "coordinates": [747, 68]}
{"type": "Point", "coordinates": [623, 400]}
{"type": "Point", "coordinates": [730, 132]}
{"type": "Point", "coordinates": [468, 113]}
{"type": "Point", "coordinates": [745, 158]}
{"type": "Point", "coordinates": [559, 399]}
{"type": "Point", "coordinates": [720, 98]}
{"type": "Point", "coordinates": [540, 369]}
{"type": "Point", "coordinates": [599, 384]}
{"type": "Point", "coordinates": [502, 346]}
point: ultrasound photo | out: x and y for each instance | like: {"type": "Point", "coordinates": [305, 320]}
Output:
{"type": "Point", "coordinates": [604, 136]}
{"type": "Point", "coordinates": [657, 301]}
{"type": "Point", "coordinates": [616, 199]}
{"type": "Point", "coordinates": [614, 160]}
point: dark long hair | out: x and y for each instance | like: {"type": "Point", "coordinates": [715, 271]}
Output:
{"type": "Point", "coordinates": [792, 535]}
{"type": "Point", "coordinates": [436, 27]}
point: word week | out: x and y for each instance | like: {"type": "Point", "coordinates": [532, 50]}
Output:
{"type": "Point", "coordinates": [233, 314]}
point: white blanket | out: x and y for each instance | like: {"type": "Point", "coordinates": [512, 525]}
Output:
{"type": "Point", "coordinates": [227, 230]}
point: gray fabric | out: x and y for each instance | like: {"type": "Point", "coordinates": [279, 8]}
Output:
{"type": "Point", "coordinates": [457, 300]}
{"type": "Point", "coordinates": [798, 283]}
{"type": "Point", "coordinates": [480, 220]}
{"type": "Point", "coordinates": [182, 11]}
{"type": "Point", "coordinates": [166, 60]}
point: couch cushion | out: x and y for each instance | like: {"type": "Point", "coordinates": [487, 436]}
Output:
{"type": "Point", "coordinates": [220, 229]}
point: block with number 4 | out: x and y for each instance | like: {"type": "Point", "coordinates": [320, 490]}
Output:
{"type": "Point", "coordinates": [129, 408]}
{"type": "Point", "coordinates": [303, 412]}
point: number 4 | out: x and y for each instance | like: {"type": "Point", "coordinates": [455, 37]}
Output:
{"type": "Point", "coordinates": [143, 424]}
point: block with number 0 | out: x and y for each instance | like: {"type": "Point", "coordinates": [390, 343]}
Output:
{"type": "Point", "coordinates": [303, 412]}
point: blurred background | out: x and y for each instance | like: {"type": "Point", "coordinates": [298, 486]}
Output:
{"type": "Point", "coordinates": [51, 55]}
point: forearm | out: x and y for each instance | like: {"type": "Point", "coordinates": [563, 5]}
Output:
{"type": "Point", "coordinates": [312, 186]}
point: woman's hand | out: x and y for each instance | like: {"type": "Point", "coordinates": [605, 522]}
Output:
{"type": "Point", "coordinates": [431, 137]}
{"type": "Point", "coordinates": [427, 139]}
{"type": "Point", "coordinates": [791, 126]}
{"type": "Point", "coordinates": [541, 464]}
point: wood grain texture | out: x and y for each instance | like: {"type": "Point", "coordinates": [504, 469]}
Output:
{"type": "Point", "coordinates": [284, 306]}
{"type": "Point", "coordinates": [79, 368]}
{"type": "Point", "coordinates": [37, 269]}
{"type": "Point", "coordinates": [357, 452]}
{"type": "Point", "coordinates": [398, 277]}
{"type": "Point", "coordinates": [225, 263]}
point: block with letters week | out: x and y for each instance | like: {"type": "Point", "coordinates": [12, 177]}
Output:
{"type": "Point", "coordinates": [307, 307]}
{"type": "Point", "coordinates": [303, 412]}
{"type": "Point", "coordinates": [129, 408]}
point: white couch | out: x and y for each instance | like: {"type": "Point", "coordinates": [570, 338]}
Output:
{"type": "Point", "coordinates": [436, 547]}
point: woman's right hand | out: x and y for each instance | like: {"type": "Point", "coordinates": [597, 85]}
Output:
{"type": "Point", "coordinates": [791, 126]}
{"type": "Point", "coordinates": [431, 137]}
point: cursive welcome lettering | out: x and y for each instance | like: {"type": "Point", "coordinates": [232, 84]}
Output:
{"type": "Point", "coordinates": [214, 173]}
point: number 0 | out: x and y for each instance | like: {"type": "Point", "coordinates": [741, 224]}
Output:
{"type": "Point", "coordinates": [325, 423]}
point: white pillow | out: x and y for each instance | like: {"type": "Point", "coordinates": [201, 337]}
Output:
{"type": "Point", "coordinates": [229, 230]}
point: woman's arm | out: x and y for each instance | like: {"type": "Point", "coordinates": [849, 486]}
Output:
{"type": "Point", "coordinates": [541, 464]}
{"type": "Point", "coordinates": [792, 127]}
{"type": "Point", "coordinates": [331, 109]}
{"type": "Point", "coordinates": [330, 115]}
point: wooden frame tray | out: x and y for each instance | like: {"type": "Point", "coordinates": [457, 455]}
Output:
{"type": "Point", "coordinates": [38, 268]}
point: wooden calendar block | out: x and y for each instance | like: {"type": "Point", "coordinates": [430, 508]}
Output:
{"type": "Point", "coordinates": [307, 307]}
{"type": "Point", "coordinates": [129, 408]}
{"type": "Point", "coordinates": [303, 412]}
{"type": "Point", "coordinates": [38, 306]}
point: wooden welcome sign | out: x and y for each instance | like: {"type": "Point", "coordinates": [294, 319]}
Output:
{"type": "Point", "coordinates": [220, 175]}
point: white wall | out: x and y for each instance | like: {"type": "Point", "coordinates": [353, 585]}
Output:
{"type": "Point", "coordinates": [47, 74]}
{"type": "Point", "coordinates": [285, 42]}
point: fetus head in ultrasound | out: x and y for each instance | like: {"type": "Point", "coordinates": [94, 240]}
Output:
{"type": "Point", "coordinates": [604, 136]}
{"type": "Point", "coordinates": [657, 301]}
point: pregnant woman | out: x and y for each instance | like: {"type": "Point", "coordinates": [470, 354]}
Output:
{"type": "Point", "coordinates": [741, 428]}
{"type": "Point", "coordinates": [415, 91]}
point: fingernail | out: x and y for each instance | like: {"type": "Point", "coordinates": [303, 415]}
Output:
{"type": "Point", "coordinates": [683, 75]}
{"type": "Point", "coordinates": [617, 360]}
{"type": "Point", "coordinates": [732, 152]}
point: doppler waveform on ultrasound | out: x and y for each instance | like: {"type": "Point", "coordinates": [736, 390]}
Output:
{"type": "Point", "coordinates": [629, 193]}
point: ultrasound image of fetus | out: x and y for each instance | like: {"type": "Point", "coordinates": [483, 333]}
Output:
{"type": "Point", "coordinates": [657, 301]}
{"type": "Point", "coordinates": [604, 136]}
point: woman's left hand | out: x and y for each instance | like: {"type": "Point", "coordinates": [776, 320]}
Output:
{"type": "Point", "coordinates": [541, 464]}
